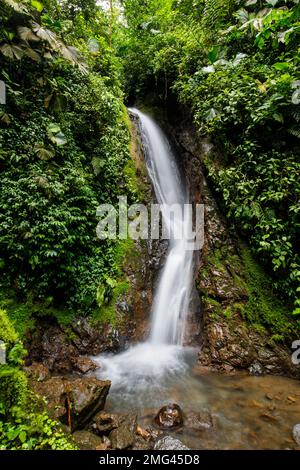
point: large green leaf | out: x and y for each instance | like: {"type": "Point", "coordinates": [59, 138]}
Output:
{"type": "Point", "coordinates": [53, 128]}
{"type": "Point", "coordinates": [17, 6]}
{"type": "Point", "coordinates": [56, 136]}
{"type": "Point", "coordinates": [56, 102]}
{"type": "Point", "coordinates": [281, 66]}
{"type": "Point", "coordinates": [60, 139]}
{"type": "Point", "coordinates": [69, 53]}
{"type": "Point", "coordinates": [45, 34]}
{"type": "Point", "coordinates": [5, 118]}
{"type": "Point", "coordinates": [37, 5]}
{"type": "Point", "coordinates": [34, 55]}
{"type": "Point", "coordinates": [44, 153]}
{"type": "Point", "coordinates": [213, 54]}
{"type": "Point", "coordinates": [12, 51]}
{"type": "Point", "coordinates": [27, 34]}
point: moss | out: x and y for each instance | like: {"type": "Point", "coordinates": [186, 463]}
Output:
{"type": "Point", "coordinates": [228, 312]}
{"type": "Point", "coordinates": [259, 328]}
{"type": "Point", "coordinates": [263, 306]}
{"type": "Point", "coordinates": [7, 331]}
{"type": "Point", "coordinates": [134, 184]}
{"type": "Point", "coordinates": [261, 309]}
{"type": "Point", "coordinates": [127, 255]}
{"type": "Point", "coordinates": [213, 306]}
{"type": "Point", "coordinates": [216, 258]}
{"type": "Point", "coordinates": [64, 317]}
{"type": "Point", "coordinates": [13, 388]}
{"type": "Point", "coordinates": [24, 315]}
{"type": "Point", "coordinates": [107, 312]}
{"type": "Point", "coordinates": [135, 169]}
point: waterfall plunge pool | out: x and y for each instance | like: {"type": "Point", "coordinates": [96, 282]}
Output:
{"type": "Point", "coordinates": [247, 412]}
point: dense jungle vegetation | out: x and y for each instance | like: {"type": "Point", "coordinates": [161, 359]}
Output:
{"type": "Point", "coordinates": [69, 67]}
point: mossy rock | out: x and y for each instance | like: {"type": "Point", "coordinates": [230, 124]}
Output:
{"type": "Point", "coordinates": [7, 332]}
{"type": "Point", "coordinates": [13, 388]}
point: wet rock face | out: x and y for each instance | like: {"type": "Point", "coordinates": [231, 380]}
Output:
{"type": "Point", "coordinates": [169, 443]}
{"type": "Point", "coordinates": [37, 372]}
{"type": "Point", "coordinates": [169, 416]}
{"type": "Point", "coordinates": [230, 345]}
{"type": "Point", "coordinates": [61, 352]}
{"type": "Point", "coordinates": [73, 401]}
{"type": "Point", "coordinates": [84, 365]}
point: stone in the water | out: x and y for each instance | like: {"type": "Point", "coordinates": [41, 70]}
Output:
{"type": "Point", "coordinates": [169, 416]}
{"type": "Point", "coordinates": [296, 433]}
{"type": "Point", "coordinates": [104, 423]}
{"type": "Point", "coordinates": [124, 435]}
{"type": "Point", "coordinates": [201, 420]}
{"type": "Point", "coordinates": [169, 443]}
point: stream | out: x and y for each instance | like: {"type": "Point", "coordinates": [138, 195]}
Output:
{"type": "Point", "coordinates": [240, 412]}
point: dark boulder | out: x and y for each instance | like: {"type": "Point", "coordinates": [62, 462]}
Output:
{"type": "Point", "coordinates": [73, 401]}
{"type": "Point", "coordinates": [104, 423]}
{"type": "Point", "coordinates": [124, 435]}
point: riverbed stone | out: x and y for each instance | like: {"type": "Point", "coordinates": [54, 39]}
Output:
{"type": "Point", "coordinates": [104, 423]}
{"type": "Point", "coordinates": [86, 440]}
{"type": "Point", "coordinates": [296, 434]}
{"type": "Point", "coordinates": [169, 443]}
{"type": "Point", "coordinates": [169, 416]}
{"type": "Point", "coordinates": [124, 435]}
{"type": "Point", "coordinates": [201, 420]}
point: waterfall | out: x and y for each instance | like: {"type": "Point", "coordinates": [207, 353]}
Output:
{"type": "Point", "coordinates": [171, 300]}
{"type": "Point", "coordinates": [163, 353]}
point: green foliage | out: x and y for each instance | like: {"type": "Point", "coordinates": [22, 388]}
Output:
{"type": "Point", "coordinates": [64, 149]}
{"type": "Point", "coordinates": [32, 431]}
{"type": "Point", "coordinates": [23, 426]}
{"type": "Point", "coordinates": [13, 389]}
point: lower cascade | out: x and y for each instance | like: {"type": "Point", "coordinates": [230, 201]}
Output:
{"type": "Point", "coordinates": [163, 353]}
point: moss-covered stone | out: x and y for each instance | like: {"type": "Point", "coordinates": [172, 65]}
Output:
{"type": "Point", "coordinates": [7, 331]}
{"type": "Point", "coordinates": [263, 306]}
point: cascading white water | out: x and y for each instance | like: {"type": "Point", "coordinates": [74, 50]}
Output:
{"type": "Point", "coordinates": [163, 353]}
{"type": "Point", "coordinates": [171, 300]}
